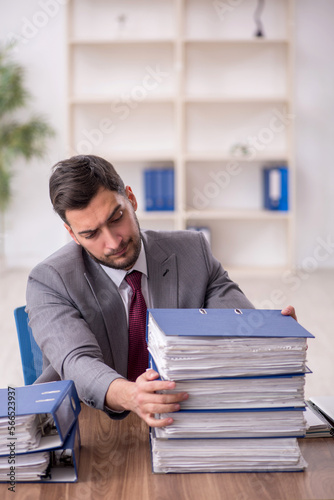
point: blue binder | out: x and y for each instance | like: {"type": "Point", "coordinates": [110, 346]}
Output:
{"type": "Point", "coordinates": [264, 341]}
{"type": "Point", "coordinates": [58, 400]}
{"type": "Point", "coordinates": [276, 195]}
{"type": "Point", "coordinates": [63, 463]}
{"type": "Point", "coordinates": [168, 175]}
{"type": "Point", "coordinates": [227, 323]}
{"type": "Point", "coordinates": [159, 189]}
{"type": "Point", "coordinates": [150, 188]}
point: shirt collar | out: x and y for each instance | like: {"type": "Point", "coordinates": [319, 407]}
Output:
{"type": "Point", "coordinates": [118, 275]}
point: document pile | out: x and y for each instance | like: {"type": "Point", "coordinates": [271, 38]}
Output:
{"type": "Point", "coordinates": [320, 416]}
{"type": "Point", "coordinates": [244, 372]}
{"type": "Point", "coordinates": [39, 433]}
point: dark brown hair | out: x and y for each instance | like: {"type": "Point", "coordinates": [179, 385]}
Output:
{"type": "Point", "coordinates": [75, 181]}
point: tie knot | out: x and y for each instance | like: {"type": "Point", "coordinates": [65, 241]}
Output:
{"type": "Point", "coordinates": [134, 280]}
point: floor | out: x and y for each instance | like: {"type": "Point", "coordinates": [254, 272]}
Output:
{"type": "Point", "coordinates": [310, 292]}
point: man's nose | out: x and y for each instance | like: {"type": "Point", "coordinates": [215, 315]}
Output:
{"type": "Point", "coordinates": [112, 240]}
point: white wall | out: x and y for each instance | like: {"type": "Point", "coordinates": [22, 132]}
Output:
{"type": "Point", "coordinates": [33, 231]}
{"type": "Point", "coordinates": [314, 132]}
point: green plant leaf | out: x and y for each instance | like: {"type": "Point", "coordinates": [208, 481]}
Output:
{"type": "Point", "coordinates": [13, 95]}
{"type": "Point", "coordinates": [26, 139]}
{"type": "Point", "coordinates": [5, 179]}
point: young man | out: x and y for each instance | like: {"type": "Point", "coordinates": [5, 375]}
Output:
{"type": "Point", "coordinates": [79, 299]}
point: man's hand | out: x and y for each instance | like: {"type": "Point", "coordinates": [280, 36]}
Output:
{"type": "Point", "coordinates": [141, 397]}
{"type": "Point", "coordinates": [289, 311]}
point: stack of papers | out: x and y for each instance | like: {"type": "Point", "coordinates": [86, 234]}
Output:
{"type": "Point", "coordinates": [231, 393]}
{"type": "Point", "coordinates": [316, 425]}
{"type": "Point", "coordinates": [220, 354]}
{"type": "Point", "coordinates": [28, 433]}
{"type": "Point", "coordinates": [320, 416]}
{"type": "Point", "coordinates": [39, 432]}
{"type": "Point", "coordinates": [233, 424]}
{"type": "Point", "coordinates": [244, 372]}
{"type": "Point", "coordinates": [28, 467]}
{"type": "Point", "coordinates": [226, 455]}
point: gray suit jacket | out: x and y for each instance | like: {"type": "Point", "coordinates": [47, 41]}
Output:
{"type": "Point", "coordinates": [78, 317]}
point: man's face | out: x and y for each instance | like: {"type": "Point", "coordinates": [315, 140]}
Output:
{"type": "Point", "coordinates": [108, 228]}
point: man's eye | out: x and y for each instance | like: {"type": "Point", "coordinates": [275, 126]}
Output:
{"type": "Point", "coordinates": [117, 217]}
{"type": "Point", "coordinates": [90, 235]}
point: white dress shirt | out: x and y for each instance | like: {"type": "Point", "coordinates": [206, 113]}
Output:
{"type": "Point", "coordinates": [125, 290]}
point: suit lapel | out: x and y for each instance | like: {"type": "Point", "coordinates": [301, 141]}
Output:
{"type": "Point", "coordinates": [162, 275]}
{"type": "Point", "coordinates": [113, 313]}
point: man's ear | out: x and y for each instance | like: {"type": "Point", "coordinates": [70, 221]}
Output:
{"type": "Point", "coordinates": [71, 233]}
{"type": "Point", "coordinates": [131, 197]}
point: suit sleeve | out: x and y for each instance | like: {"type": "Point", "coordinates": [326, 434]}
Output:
{"type": "Point", "coordinates": [68, 344]}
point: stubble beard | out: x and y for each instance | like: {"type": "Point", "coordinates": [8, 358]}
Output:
{"type": "Point", "coordinates": [130, 261]}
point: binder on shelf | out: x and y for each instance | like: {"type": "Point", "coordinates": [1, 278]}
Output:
{"type": "Point", "coordinates": [38, 416]}
{"type": "Point", "coordinates": [48, 466]}
{"type": "Point", "coordinates": [169, 201]}
{"type": "Point", "coordinates": [213, 343]}
{"type": "Point", "coordinates": [275, 180]}
{"type": "Point", "coordinates": [149, 185]}
{"type": "Point", "coordinates": [159, 189]}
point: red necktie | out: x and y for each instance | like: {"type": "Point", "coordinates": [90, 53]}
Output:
{"type": "Point", "coordinates": [138, 354]}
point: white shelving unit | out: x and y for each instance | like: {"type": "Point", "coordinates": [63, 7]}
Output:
{"type": "Point", "coordinates": [180, 82]}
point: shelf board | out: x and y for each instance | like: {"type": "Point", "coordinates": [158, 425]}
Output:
{"type": "Point", "coordinates": [120, 41]}
{"type": "Point", "coordinates": [234, 100]}
{"type": "Point", "coordinates": [237, 41]}
{"type": "Point", "coordinates": [140, 156]}
{"type": "Point", "coordinates": [100, 99]}
{"type": "Point", "coordinates": [223, 156]}
{"type": "Point", "coordinates": [108, 99]}
{"type": "Point", "coordinates": [236, 215]}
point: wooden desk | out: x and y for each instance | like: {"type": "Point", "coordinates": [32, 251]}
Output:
{"type": "Point", "coordinates": [115, 464]}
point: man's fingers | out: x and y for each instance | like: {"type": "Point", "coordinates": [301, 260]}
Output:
{"type": "Point", "coordinates": [150, 374]}
{"type": "Point", "coordinates": [154, 385]}
{"type": "Point", "coordinates": [154, 408]}
{"type": "Point", "coordinates": [289, 311]}
{"type": "Point", "coordinates": [158, 422]}
{"type": "Point", "coordinates": [151, 400]}
{"type": "Point", "coordinates": [157, 385]}
{"type": "Point", "coordinates": [161, 399]}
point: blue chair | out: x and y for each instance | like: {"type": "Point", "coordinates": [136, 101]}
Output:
{"type": "Point", "coordinates": [31, 355]}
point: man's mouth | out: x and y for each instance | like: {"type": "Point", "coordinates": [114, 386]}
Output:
{"type": "Point", "coordinates": [119, 252]}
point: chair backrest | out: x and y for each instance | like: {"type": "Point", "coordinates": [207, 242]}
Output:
{"type": "Point", "coordinates": [31, 355]}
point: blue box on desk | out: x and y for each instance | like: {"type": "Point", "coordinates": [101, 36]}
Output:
{"type": "Point", "coordinates": [276, 194]}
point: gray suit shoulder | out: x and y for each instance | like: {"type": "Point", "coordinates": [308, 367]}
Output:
{"type": "Point", "coordinates": [183, 238]}
{"type": "Point", "coordinates": [62, 259]}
